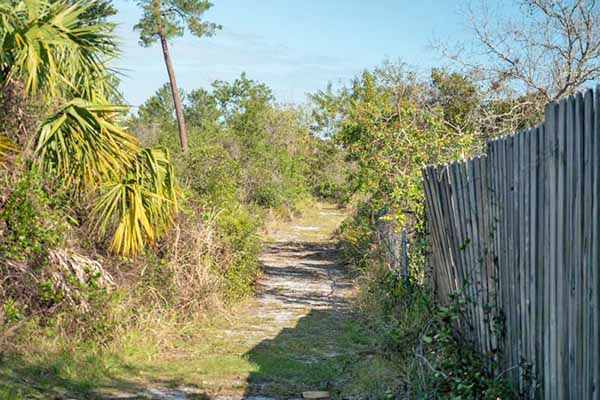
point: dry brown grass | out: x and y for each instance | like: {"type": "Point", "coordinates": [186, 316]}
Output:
{"type": "Point", "coordinates": [194, 253]}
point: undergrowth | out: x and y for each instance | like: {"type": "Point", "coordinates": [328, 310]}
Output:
{"type": "Point", "coordinates": [411, 327]}
{"type": "Point", "coordinates": [73, 318]}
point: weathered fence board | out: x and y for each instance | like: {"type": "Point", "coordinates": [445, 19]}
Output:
{"type": "Point", "coordinates": [595, 253]}
{"type": "Point", "coordinates": [517, 233]}
{"type": "Point", "coordinates": [540, 275]}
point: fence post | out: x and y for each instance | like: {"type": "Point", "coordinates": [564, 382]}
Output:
{"type": "Point", "coordinates": [394, 246]}
{"type": "Point", "coordinates": [404, 242]}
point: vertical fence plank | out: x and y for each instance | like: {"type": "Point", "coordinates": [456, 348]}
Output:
{"type": "Point", "coordinates": [503, 256]}
{"type": "Point", "coordinates": [449, 201]}
{"type": "Point", "coordinates": [483, 246]}
{"type": "Point", "coordinates": [431, 255]}
{"type": "Point", "coordinates": [477, 237]}
{"type": "Point", "coordinates": [595, 254]}
{"type": "Point", "coordinates": [487, 285]}
{"type": "Point", "coordinates": [576, 298]}
{"type": "Point", "coordinates": [484, 285]}
{"type": "Point", "coordinates": [515, 229]}
{"type": "Point", "coordinates": [562, 311]}
{"type": "Point", "coordinates": [568, 238]}
{"type": "Point", "coordinates": [476, 267]}
{"type": "Point", "coordinates": [550, 383]}
{"type": "Point", "coordinates": [493, 220]}
{"type": "Point", "coordinates": [541, 238]}
{"type": "Point", "coordinates": [525, 178]}
{"type": "Point", "coordinates": [520, 183]}
{"type": "Point", "coordinates": [514, 310]}
{"type": "Point", "coordinates": [533, 172]}
{"type": "Point", "coordinates": [494, 172]}
{"type": "Point", "coordinates": [432, 224]}
{"type": "Point", "coordinates": [588, 223]}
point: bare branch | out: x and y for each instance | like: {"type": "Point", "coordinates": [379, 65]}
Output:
{"type": "Point", "coordinates": [552, 48]}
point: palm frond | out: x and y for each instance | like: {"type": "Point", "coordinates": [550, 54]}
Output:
{"type": "Point", "coordinates": [46, 44]}
{"type": "Point", "coordinates": [81, 144]}
{"type": "Point", "coordinates": [139, 208]}
{"type": "Point", "coordinates": [96, 86]}
{"type": "Point", "coordinates": [6, 148]}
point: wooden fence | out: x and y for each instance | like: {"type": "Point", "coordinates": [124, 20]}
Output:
{"type": "Point", "coordinates": [516, 233]}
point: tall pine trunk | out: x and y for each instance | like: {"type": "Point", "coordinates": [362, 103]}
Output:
{"type": "Point", "coordinates": [176, 100]}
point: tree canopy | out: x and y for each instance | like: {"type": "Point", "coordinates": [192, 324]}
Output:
{"type": "Point", "coordinates": [173, 17]}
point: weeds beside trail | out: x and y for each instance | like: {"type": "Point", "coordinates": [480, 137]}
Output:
{"type": "Point", "coordinates": [297, 334]}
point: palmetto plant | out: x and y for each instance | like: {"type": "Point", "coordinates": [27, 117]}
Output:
{"type": "Point", "coordinates": [47, 46]}
{"type": "Point", "coordinates": [58, 55]}
{"type": "Point", "coordinates": [81, 144]}
{"type": "Point", "coordinates": [139, 205]}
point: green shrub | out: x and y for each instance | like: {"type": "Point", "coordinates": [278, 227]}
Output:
{"type": "Point", "coordinates": [237, 228]}
{"type": "Point", "coordinates": [357, 236]}
{"type": "Point", "coordinates": [11, 310]}
{"type": "Point", "coordinates": [30, 222]}
{"type": "Point", "coordinates": [419, 334]}
{"type": "Point", "coordinates": [212, 173]}
{"type": "Point", "coordinates": [458, 370]}
{"type": "Point", "coordinates": [409, 325]}
{"type": "Point", "coordinates": [328, 171]}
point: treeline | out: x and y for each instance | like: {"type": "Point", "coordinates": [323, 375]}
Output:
{"type": "Point", "coordinates": [244, 148]}
{"type": "Point", "coordinates": [247, 157]}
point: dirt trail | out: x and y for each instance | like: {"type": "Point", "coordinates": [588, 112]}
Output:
{"type": "Point", "coordinates": [294, 336]}
{"type": "Point", "coordinates": [301, 271]}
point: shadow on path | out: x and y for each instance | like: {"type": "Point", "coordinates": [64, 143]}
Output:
{"type": "Point", "coordinates": [45, 379]}
{"type": "Point", "coordinates": [320, 343]}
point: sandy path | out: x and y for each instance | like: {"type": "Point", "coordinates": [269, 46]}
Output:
{"type": "Point", "coordinates": [301, 272]}
{"type": "Point", "coordinates": [301, 298]}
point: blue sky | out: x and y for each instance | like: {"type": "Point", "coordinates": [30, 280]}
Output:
{"type": "Point", "coordinates": [295, 46]}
